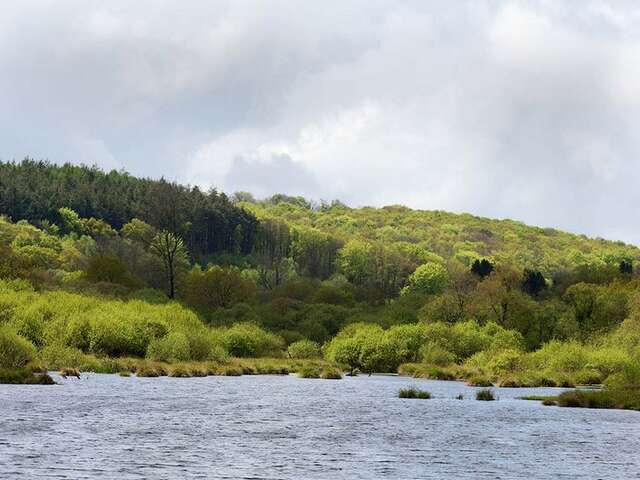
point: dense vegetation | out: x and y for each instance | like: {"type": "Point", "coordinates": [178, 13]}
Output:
{"type": "Point", "coordinates": [100, 266]}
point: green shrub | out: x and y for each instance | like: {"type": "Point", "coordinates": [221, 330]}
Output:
{"type": "Point", "coordinates": [588, 377]}
{"type": "Point", "coordinates": [174, 347]}
{"type": "Point", "coordinates": [56, 357]}
{"type": "Point", "coordinates": [249, 340]}
{"type": "Point", "coordinates": [15, 351]}
{"type": "Point", "coordinates": [434, 354]}
{"type": "Point", "coordinates": [304, 349]}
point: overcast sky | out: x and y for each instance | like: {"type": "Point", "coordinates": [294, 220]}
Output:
{"type": "Point", "coordinates": [528, 110]}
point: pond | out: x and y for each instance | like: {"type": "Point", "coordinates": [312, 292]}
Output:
{"type": "Point", "coordinates": [270, 427]}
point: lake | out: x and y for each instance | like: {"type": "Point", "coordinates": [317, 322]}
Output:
{"type": "Point", "coordinates": [270, 427]}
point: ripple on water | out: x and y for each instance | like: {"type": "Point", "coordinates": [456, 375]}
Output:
{"type": "Point", "coordinates": [106, 426]}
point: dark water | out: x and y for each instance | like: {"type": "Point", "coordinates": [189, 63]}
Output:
{"type": "Point", "coordinates": [105, 426]}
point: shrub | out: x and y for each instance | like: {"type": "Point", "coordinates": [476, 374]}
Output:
{"type": "Point", "coordinates": [304, 349]}
{"type": "Point", "coordinates": [414, 393]}
{"type": "Point", "coordinates": [434, 354]}
{"type": "Point", "coordinates": [15, 351]}
{"type": "Point", "coordinates": [58, 356]}
{"type": "Point", "coordinates": [249, 340]}
{"type": "Point", "coordinates": [588, 377]}
{"type": "Point", "coordinates": [174, 347]}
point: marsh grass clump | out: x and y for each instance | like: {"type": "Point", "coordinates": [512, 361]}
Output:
{"type": "Point", "coordinates": [69, 372]}
{"type": "Point", "coordinates": [24, 376]}
{"type": "Point", "coordinates": [478, 381]}
{"type": "Point", "coordinates": [180, 371]}
{"type": "Point", "coordinates": [549, 402]}
{"type": "Point", "coordinates": [435, 373]}
{"type": "Point", "coordinates": [588, 377]}
{"type": "Point", "coordinates": [622, 399]}
{"type": "Point", "coordinates": [309, 371]}
{"type": "Point", "coordinates": [485, 394]}
{"type": "Point", "coordinates": [510, 382]}
{"type": "Point", "coordinates": [147, 371]}
{"type": "Point", "coordinates": [413, 392]}
{"type": "Point", "coordinates": [229, 371]}
{"type": "Point", "coordinates": [331, 373]}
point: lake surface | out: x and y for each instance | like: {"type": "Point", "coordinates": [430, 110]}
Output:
{"type": "Point", "coordinates": [269, 427]}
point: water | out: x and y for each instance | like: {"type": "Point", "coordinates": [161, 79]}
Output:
{"type": "Point", "coordinates": [268, 427]}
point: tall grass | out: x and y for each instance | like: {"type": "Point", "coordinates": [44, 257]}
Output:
{"type": "Point", "coordinates": [412, 392]}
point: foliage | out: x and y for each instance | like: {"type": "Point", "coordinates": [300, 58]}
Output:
{"type": "Point", "coordinates": [304, 349]}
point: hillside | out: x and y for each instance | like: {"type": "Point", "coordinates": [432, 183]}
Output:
{"type": "Point", "coordinates": [461, 236]}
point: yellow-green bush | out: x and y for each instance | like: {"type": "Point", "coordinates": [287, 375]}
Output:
{"type": "Point", "coordinates": [15, 351]}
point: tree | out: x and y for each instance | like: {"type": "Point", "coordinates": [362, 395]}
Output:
{"type": "Point", "coordinates": [356, 262]}
{"type": "Point", "coordinates": [430, 278]}
{"type": "Point", "coordinates": [314, 252]}
{"type": "Point", "coordinates": [626, 267]}
{"type": "Point", "coordinates": [482, 268]}
{"type": "Point", "coordinates": [271, 248]}
{"type": "Point", "coordinates": [533, 282]}
{"type": "Point", "coordinates": [215, 287]}
{"type": "Point", "coordinates": [166, 245]}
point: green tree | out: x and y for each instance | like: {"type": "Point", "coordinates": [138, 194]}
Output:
{"type": "Point", "coordinates": [427, 279]}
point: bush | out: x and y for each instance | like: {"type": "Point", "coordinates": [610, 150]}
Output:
{"type": "Point", "coordinates": [56, 357]}
{"type": "Point", "coordinates": [434, 354]}
{"type": "Point", "coordinates": [15, 351]}
{"type": "Point", "coordinates": [414, 393]}
{"type": "Point", "coordinates": [304, 349]}
{"type": "Point", "coordinates": [174, 347]}
{"type": "Point", "coordinates": [249, 340]}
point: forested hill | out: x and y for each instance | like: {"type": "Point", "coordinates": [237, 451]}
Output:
{"type": "Point", "coordinates": [437, 235]}
{"type": "Point", "coordinates": [208, 221]}
{"type": "Point", "coordinates": [316, 236]}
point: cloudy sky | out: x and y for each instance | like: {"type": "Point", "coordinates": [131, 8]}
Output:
{"type": "Point", "coordinates": [524, 109]}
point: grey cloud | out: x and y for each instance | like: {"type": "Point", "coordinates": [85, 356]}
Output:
{"type": "Point", "coordinates": [278, 174]}
{"type": "Point", "coordinates": [521, 109]}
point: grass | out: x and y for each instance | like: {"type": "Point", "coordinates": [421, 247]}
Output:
{"type": "Point", "coordinates": [413, 392]}
{"type": "Point", "coordinates": [70, 372]}
{"type": "Point", "coordinates": [309, 371]}
{"type": "Point", "coordinates": [621, 399]}
{"type": "Point", "coordinates": [331, 373]}
{"type": "Point", "coordinates": [510, 382]}
{"type": "Point", "coordinates": [24, 376]}
{"type": "Point", "coordinates": [125, 373]}
{"type": "Point", "coordinates": [485, 395]}
{"type": "Point", "coordinates": [479, 381]}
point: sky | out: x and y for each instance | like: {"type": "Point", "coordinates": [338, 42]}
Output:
{"type": "Point", "coordinates": [507, 109]}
